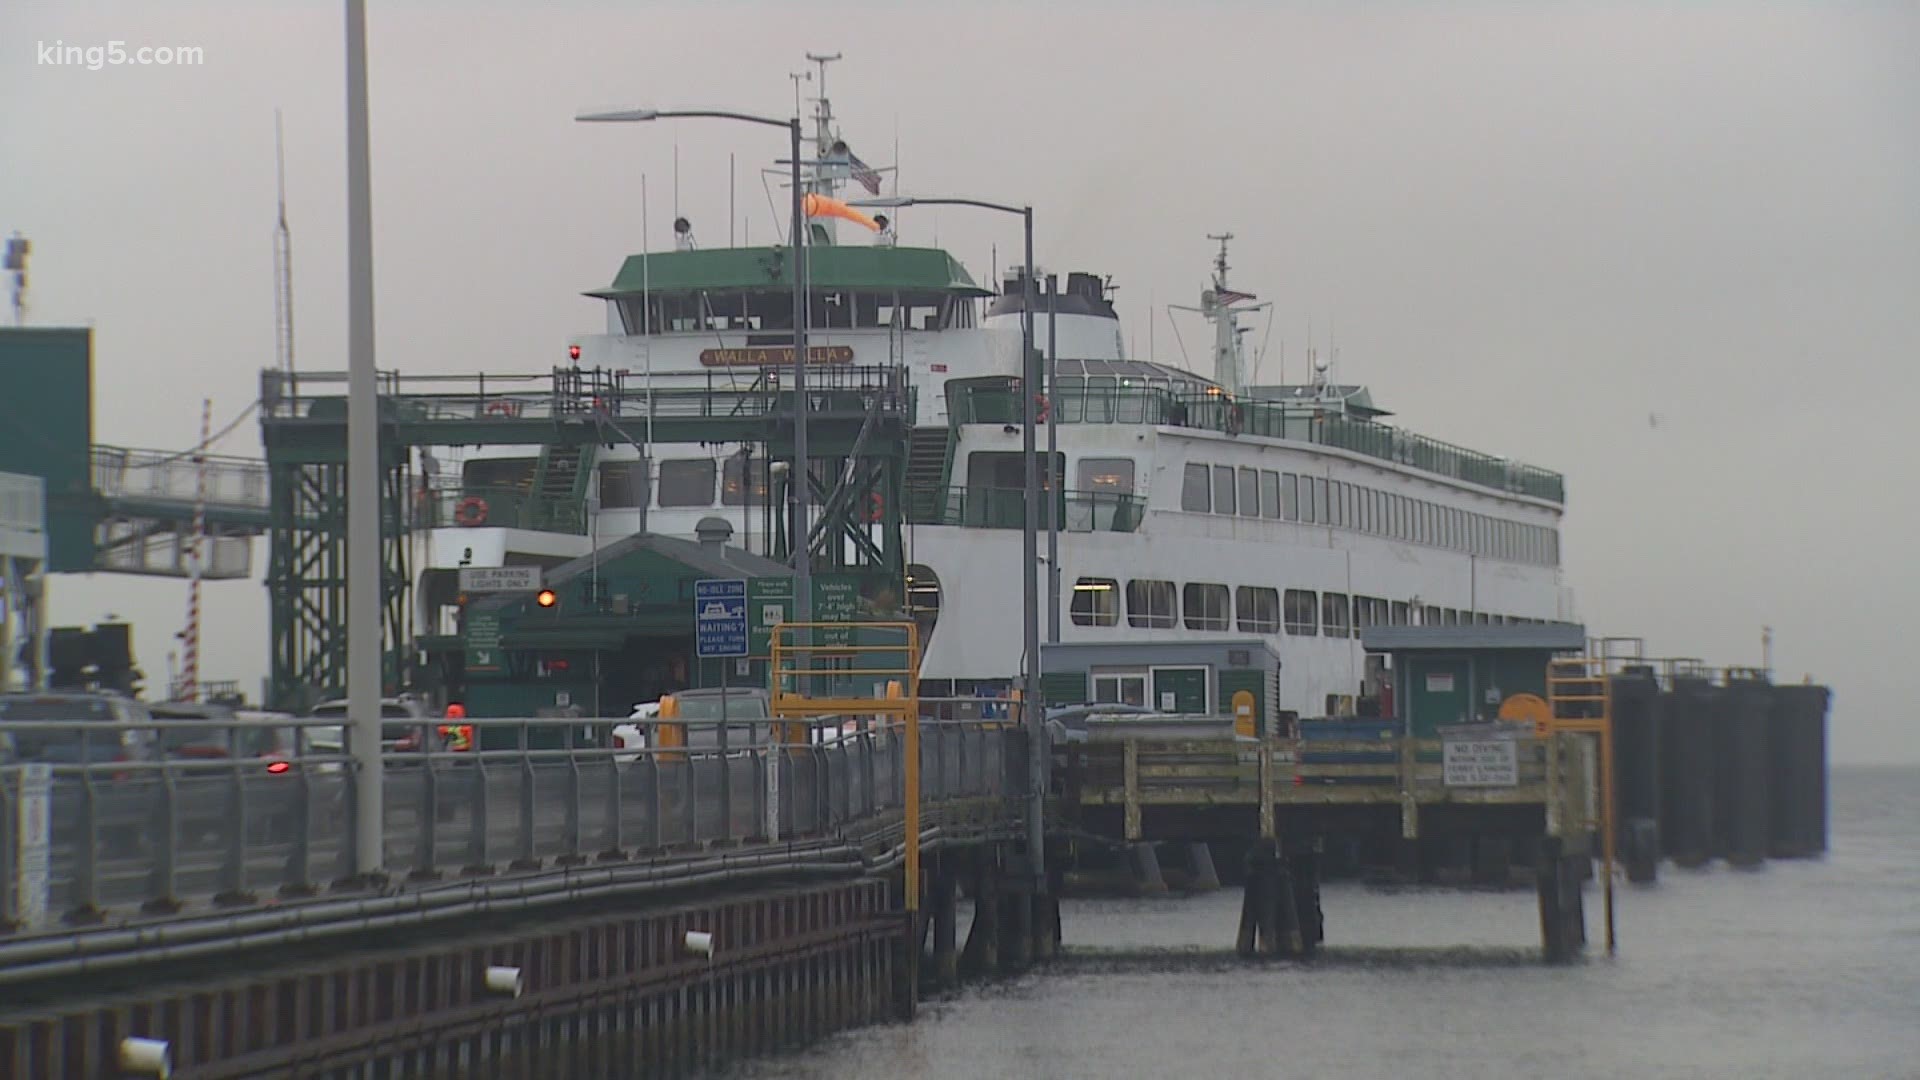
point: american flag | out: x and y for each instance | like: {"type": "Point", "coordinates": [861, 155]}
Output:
{"type": "Point", "coordinates": [862, 172]}
{"type": "Point", "coordinates": [1229, 296]}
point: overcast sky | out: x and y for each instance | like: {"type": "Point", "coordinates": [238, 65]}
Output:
{"type": "Point", "coordinates": [1530, 226]}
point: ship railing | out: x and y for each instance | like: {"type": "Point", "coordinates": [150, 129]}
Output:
{"type": "Point", "coordinates": [1296, 421]}
{"type": "Point", "coordinates": [501, 507]}
{"type": "Point", "coordinates": [576, 393]}
{"type": "Point", "coordinates": [1006, 508]}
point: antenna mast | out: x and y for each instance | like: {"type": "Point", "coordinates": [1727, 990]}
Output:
{"type": "Point", "coordinates": [282, 262]}
{"type": "Point", "coordinates": [826, 179]}
{"type": "Point", "coordinates": [1216, 306]}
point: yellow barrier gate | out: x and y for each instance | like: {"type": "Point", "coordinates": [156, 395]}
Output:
{"type": "Point", "coordinates": [1580, 697]}
{"type": "Point", "coordinates": [816, 669]}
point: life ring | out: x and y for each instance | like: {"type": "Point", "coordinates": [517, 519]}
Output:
{"type": "Point", "coordinates": [876, 508]}
{"type": "Point", "coordinates": [1042, 408]}
{"type": "Point", "coordinates": [471, 511]}
{"type": "Point", "coordinates": [504, 408]}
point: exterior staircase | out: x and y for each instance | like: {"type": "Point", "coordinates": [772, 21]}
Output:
{"type": "Point", "coordinates": [560, 482]}
{"type": "Point", "coordinates": [929, 457]}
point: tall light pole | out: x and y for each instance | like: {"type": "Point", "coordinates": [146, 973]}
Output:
{"type": "Point", "coordinates": [1031, 709]}
{"type": "Point", "coordinates": [1059, 492]}
{"type": "Point", "coordinates": [364, 615]}
{"type": "Point", "coordinates": [802, 498]}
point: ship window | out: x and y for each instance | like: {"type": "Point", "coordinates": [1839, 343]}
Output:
{"type": "Point", "coordinates": [1269, 493]}
{"type": "Point", "coordinates": [1258, 609]}
{"type": "Point", "coordinates": [1337, 500]}
{"type": "Point", "coordinates": [1205, 606]}
{"type": "Point", "coordinates": [1112, 476]}
{"type": "Point", "coordinates": [1249, 495]}
{"type": "Point", "coordinates": [688, 482]}
{"type": "Point", "coordinates": [1223, 489]}
{"type": "Point", "coordinates": [1450, 617]}
{"type": "Point", "coordinates": [1194, 486]}
{"type": "Point", "coordinates": [1430, 615]}
{"type": "Point", "coordinates": [1320, 500]}
{"type": "Point", "coordinates": [1120, 688]}
{"type": "Point", "coordinates": [1151, 604]}
{"type": "Point", "coordinates": [1096, 602]}
{"type": "Point", "coordinates": [1362, 612]}
{"type": "Point", "coordinates": [623, 484]}
{"type": "Point", "coordinates": [1302, 611]}
{"type": "Point", "coordinates": [1333, 614]}
{"type": "Point", "coordinates": [1481, 618]}
{"type": "Point", "coordinates": [1400, 613]}
{"type": "Point", "coordinates": [1290, 497]}
{"type": "Point", "coordinates": [743, 481]}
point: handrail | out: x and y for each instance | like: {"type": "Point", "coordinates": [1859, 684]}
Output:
{"type": "Point", "coordinates": [1296, 421]}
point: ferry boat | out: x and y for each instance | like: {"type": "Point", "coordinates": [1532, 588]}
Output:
{"type": "Point", "coordinates": [1195, 505]}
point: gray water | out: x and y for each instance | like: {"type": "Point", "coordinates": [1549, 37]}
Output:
{"type": "Point", "coordinates": [1799, 969]}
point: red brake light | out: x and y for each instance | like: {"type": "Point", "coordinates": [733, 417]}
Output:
{"type": "Point", "coordinates": [573, 352]}
{"type": "Point", "coordinates": [278, 767]}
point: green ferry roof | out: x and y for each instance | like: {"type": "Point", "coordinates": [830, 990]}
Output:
{"type": "Point", "coordinates": [867, 268]}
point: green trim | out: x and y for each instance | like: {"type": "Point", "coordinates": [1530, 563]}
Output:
{"type": "Point", "coordinates": [882, 269]}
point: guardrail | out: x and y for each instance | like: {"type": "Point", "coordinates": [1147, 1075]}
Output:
{"type": "Point", "coordinates": [97, 840]}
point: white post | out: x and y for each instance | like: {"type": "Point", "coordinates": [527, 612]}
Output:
{"type": "Point", "coordinates": [363, 468]}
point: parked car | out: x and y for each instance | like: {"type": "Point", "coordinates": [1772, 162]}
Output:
{"type": "Point", "coordinates": [249, 735]}
{"type": "Point", "coordinates": [107, 727]}
{"type": "Point", "coordinates": [406, 726]}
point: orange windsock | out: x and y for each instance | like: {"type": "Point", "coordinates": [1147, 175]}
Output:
{"type": "Point", "coordinates": [822, 206]}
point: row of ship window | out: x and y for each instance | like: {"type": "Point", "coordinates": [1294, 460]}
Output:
{"type": "Point", "coordinates": [1255, 609]}
{"type": "Point", "coordinates": [1315, 500]}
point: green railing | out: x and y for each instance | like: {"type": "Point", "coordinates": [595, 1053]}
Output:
{"type": "Point", "coordinates": [1300, 422]}
{"type": "Point", "coordinates": [1005, 508]}
{"type": "Point", "coordinates": [503, 508]}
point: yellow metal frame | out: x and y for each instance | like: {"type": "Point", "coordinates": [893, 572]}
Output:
{"type": "Point", "coordinates": [1580, 694]}
{"type": "Point", "coordinates": [791, 663]}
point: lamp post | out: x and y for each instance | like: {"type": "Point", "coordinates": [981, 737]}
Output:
{"type": "Point", "coordinates": [1057, 496]}
{"type": "Point", "coordinates": [364, 602]}
{"type": "Point", "coordinates": [802, 498]}
{"type": "Point", "coordinates": [1031, 710]}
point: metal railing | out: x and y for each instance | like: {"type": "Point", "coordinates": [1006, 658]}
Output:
{"type": "Point", "coordinates": [173, 477]}
{"type": "Point", "coordinates": [503, 507]}
{"type": "Point", "coordinates": [1005, 508]}
{"type": "Point", "coordinates": [1297, 421]}
{"type": "Point", "coordinates": [569, 393]}
{"type": "Point", "coordinates": [116, 834]}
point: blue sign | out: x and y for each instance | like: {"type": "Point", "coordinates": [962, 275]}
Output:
{"type": "Point", "coordinates": [720, 618]}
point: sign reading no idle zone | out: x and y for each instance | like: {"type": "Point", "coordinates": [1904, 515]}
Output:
{"type": "Point", "coordinates": [482, 579]}
{"type": "Point", "coordinates": [720, 617]}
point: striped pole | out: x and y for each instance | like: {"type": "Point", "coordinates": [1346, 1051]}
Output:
{"type": "Point", "coordinates": [189, 686]}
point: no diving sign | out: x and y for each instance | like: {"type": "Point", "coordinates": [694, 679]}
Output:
{"type": "Point", "coordinates": [1480, 762]}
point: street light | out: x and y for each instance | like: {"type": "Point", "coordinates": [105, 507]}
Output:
{"type": "Point", "coordinates": [803, 570]}
{"type": "Point", "coordinates": [1030, 383]}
